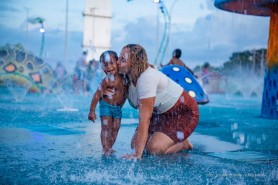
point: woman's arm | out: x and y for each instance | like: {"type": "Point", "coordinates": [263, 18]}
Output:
{"type": "Point", "coordinates": [145, 112]}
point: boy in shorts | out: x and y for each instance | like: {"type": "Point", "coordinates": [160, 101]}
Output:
{"type": "Point", "coordinates": [111, 96]}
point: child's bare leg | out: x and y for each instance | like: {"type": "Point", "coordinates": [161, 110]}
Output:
{"type": "Point", "coordinates": [116, 123]}
{"type": "Point", "coordinates": [106, 134]}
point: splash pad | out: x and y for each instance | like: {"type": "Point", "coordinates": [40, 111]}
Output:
{"type": "Point", "coordinates": [231, 145]}
{"type": "Point", "coordinates": [269, 107]}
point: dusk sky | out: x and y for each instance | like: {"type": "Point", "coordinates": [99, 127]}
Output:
{"type": "Point", "coordinates": [203, 32]}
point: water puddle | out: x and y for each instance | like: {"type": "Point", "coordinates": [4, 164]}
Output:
{"type": "Point", "coordinates": [247, 156]}
{"type": "Point", "coordinates": [207, 144]}
{"type": "Point", "coordinates": [53, 130]}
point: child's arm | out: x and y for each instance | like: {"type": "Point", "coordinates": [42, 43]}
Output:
{"type": "Point", "coordinates": [169, 63]}
{"type": "Point", "coordinates": [96, 98]}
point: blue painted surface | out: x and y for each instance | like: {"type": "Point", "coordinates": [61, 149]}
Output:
{"type": "Point", "coordinates": [189, 83]}
{"type": "Point", "coordinates": [270, 94]}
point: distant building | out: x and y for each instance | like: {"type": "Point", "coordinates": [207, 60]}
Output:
{"type": "Point", "coordinates": [97, 18]}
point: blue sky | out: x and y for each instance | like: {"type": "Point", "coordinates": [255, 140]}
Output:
{"type": "Point", "coordinates": [203, 32]}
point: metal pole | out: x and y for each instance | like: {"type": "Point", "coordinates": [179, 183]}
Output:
{"type": "Point", "coordinates": [42, 43]}
{"type": "Point", "coordinates": [66, 34]}
{"type": "Point", "coordinates": [157, 31]}
{"type": "Point", "coordinates": [27, 26]}
{"type": "Point", "coordinates": [165, 38]}
{"type": "Point", "coordinates": [170, 25]}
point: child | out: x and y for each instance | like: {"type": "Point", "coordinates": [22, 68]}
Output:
{"type": "Point", "coordinates": [111, 96]}
{"type": "Point", "coordinates": [176, 60]}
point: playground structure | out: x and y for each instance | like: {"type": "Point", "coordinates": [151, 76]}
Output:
{"type": "Point", "coordinates": [21, 70]}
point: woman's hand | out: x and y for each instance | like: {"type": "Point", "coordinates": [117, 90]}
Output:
{"type": "Point", "coordinates": [131, 156]}
{"type": "Point", "coordinates": [139, 141]}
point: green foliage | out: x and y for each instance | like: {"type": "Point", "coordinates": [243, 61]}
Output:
{"type": "Point", "coordinates": [250, 61]}
{"type": "Point", "coordinates": [8, 47]}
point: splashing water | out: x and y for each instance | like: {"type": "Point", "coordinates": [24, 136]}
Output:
{"type": "Point", "coordinates": [105, 122]}
{"type": "Point", "coordinates": [17, 90]}
{"type": "Point", "coordinates": [66, 102]}
{"type": "Point", "coordinates": [182, 99]}
{"type": "Point", "coordinates": [107, 56]}
{"type": "Point", "coordinates": [111, 77]}
{"type": "Point", "coordinates": [126, 56]}
{"type": "Point", "coordinates": [180, 135]}
{"type": "Point", "coordinates": [231, 145]}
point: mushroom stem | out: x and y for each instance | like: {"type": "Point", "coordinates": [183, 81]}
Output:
{"type": "Point", "coordinates": [272, 51]}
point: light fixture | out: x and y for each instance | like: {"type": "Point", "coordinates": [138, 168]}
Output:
{"type": "Point", "coordinates": [42, 28]}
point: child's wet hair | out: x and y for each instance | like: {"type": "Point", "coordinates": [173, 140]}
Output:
{"type": "Point", "coordinates": [108, 52]}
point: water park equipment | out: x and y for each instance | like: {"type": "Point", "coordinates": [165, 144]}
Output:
{"type": "Point", "coordinates": [269, 107]}
{"type": "Point", "coordinates": [19, 68]}
{"type": "Point", "coordinates": [189, 83]}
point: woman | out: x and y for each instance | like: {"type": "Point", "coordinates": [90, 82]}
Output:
{"type": "Point", "coordinates": [167, 114]}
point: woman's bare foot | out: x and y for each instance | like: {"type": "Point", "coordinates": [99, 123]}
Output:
{"type": "Point", "coordinates": [187, 145]}
{"type": "Point", "coordinates": [183, 145]}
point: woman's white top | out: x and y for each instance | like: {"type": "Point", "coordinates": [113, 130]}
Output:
{"type": "Point", "coordinates": [153, 83]}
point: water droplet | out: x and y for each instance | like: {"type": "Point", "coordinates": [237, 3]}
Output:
{"type": "Point", "coordinates": [107, 56]}
{"type": "Point", "coordinates": [182, 99]}
{"type": "Point", "coordinates": [241, 138]}
{"type": "Point", "coordinates": [126, 56]}
{"type": "Point", "coordinates": [111, 77]}
{"type": "Point", "coordinates": [180, 135]}
{"type": "Point", "coordinates": [105, 122]}
{"type": "Point", "coordinates": [234, 126]}
{"type": "Point", "coordinates": [105, 133]}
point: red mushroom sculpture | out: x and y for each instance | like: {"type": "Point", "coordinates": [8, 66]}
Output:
{"type": "Point", "coordinates": [262, 8]}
